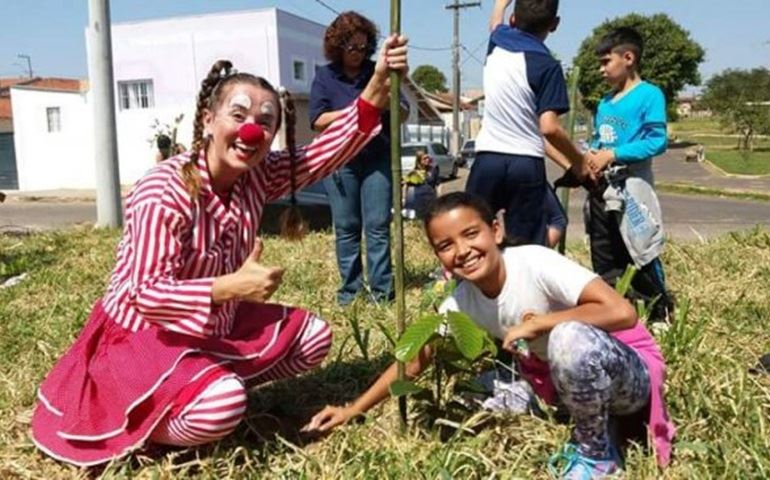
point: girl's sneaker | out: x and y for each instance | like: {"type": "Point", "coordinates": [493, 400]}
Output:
{"type": "Point", "coordinates": [570, 464]}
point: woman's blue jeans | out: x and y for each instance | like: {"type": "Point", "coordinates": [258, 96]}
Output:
{"type": "Point", "coordinates": [360, 195]}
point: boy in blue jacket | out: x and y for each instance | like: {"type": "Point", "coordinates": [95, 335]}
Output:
{"type": "Point", "coordinates": [629, 130]}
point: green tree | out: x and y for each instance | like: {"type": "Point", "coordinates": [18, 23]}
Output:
{"type": "Point", "coordinates": [670, 59]}
{"type": "Point", "coordinates": [741, 100]}
{"type": "Point", "coordinates": [429, 78]}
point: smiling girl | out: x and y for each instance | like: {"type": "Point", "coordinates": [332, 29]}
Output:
{"type": "Point", "coordinates": [184, 327]}
{"type": "Point", "coordinates": [588, 349]}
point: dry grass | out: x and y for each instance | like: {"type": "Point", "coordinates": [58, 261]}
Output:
{"type": "Point", "coordinates": [721, 410]}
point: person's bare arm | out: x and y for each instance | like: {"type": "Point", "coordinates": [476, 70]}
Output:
{"type": "Point", "coordinates": [554, 134]}
{"type": "Point", "coordinates": [332, 416]}
{"type": "Point", "coordinates": [556, 156]}
{"type": "Point", "coordinates": [599, 305]}
{"type": "Point", "coordinates": [498, 13]}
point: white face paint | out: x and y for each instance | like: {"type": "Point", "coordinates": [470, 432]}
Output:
{"type": "Point", "coordinates": [240, 100]}
{"type": "Point", "coordinates": [267, 108]}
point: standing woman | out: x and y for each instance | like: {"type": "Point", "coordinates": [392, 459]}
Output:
{"type": "Point", "coordinates": [184, 328]}
{"type": "Point", "coordinates": [420, 185]}
{"type": "Point", "coordinates": [360, 193]}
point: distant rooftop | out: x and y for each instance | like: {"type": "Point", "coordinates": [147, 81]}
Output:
{"type": "Point", "coordinates": [36, 83]}
{"type": "Point", "coordinates": [217, 14]}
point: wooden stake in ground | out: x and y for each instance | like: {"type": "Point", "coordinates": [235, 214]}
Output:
{"type": "Point", "coordinates": [571, 117]}
{"type": "Point", "coordinates": [395, 166]}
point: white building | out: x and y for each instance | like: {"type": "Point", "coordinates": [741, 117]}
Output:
{"type": "Point", "coordinates": [158, 67]}
{"type": "Point", "coordinates": [53, 138]}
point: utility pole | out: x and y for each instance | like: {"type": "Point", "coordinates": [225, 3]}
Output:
{"type": "Point", "coordinates": [108, 203]}
{"type": "Point", "coordinates": [455, 140]}
{"type": "Point", "coordinates": [29, 63]}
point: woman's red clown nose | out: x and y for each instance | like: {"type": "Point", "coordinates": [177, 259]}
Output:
{"type": "Point", "coordinates": [251, 134]}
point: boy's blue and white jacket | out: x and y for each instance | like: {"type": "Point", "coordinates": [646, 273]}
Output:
{"type": "Point", "coordinates": [521, 81]}
{"type": "Point", "coordinates": [634, 126]}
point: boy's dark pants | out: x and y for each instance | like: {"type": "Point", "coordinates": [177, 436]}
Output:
{"type": "Point", "coordinates": [610, 256]}
{"type": "Point", "coordinates": [517, 184]}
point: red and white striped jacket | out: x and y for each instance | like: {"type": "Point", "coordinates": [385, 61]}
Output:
{"type": "Point", "coordinates": [173, 248]}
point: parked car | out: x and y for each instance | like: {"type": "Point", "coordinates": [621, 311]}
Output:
{"type": "Point", "coordinates": [468, 153]}
{"type": "Point", "coordinates": [447, 164]}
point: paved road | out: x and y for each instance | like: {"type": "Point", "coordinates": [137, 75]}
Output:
{"type": "Point", "coordinates": [686, 217]}
{"type": "Point", "coordinates": [45, 215]}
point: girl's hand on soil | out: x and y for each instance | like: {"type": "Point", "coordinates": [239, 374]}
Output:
{"type": "Point", "coordinates": [328, 418]}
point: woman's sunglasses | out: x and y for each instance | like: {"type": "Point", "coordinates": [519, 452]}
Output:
{"type": "Point", "coordinates": [350, 48]}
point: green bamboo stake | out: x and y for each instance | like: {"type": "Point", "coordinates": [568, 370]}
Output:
{"type": "Point", "coordinates": [571, 118]}
{"type": "Point", "coordinates": [395, 166]}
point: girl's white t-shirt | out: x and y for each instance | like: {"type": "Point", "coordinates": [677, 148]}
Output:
{"type": "Point", "coordinates": [537, 279]}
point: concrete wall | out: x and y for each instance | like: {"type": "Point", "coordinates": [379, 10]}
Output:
{"type": "Point", "coordinates": [299, 39]}
{"type": "Point", "coordinates": [65, 159]}
{"type": "Point", "coordinates": [46, 160]}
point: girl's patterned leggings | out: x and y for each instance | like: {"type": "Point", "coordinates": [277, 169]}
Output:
{"type": "Point", "coordinates": [595, 375]}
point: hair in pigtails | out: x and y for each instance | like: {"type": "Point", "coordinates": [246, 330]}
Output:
{"type": "Point", "coordinates": [190, 175]}
{"type": "Point", "coordinates": [293, 226]}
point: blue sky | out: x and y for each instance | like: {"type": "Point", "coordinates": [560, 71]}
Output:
{"type": "Point", "coordinates": [735, 34]}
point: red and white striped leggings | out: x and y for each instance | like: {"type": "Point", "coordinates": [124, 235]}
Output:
{"type": "Point", "coordinates": [220, 407]}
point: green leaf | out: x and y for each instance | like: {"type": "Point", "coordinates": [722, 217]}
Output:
{"type": "Point", "coordinates": [416, 336]}
{"type": "Point", "coordinates": [399, 388]}
{"type": "Point", "coordinates": [468, 337]}
{"type": "Point", "coordinates": [624, 283]}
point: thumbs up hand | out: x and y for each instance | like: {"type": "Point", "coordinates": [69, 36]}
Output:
{"type": "Point", "coordinates": [256, 282]}
{"type": "Point", "coordinates": [253, 282]}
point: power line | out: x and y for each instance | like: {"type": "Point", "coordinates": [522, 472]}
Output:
{"type": "Point", "coordinates": [470, 55]}
{"type": "Point", "coordinates": [473, 52]}
{"type": "Point", "coordinates": [430, 49]}
{"type": "Point", "coordinates": [323, 4]}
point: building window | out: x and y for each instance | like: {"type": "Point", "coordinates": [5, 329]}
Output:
{"type": "Point", "coordinates": [135, 94]}
{"type": "Point", "coordinates": [53, 116]}
{"type": "Point", "coordinates": [298, 68]}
